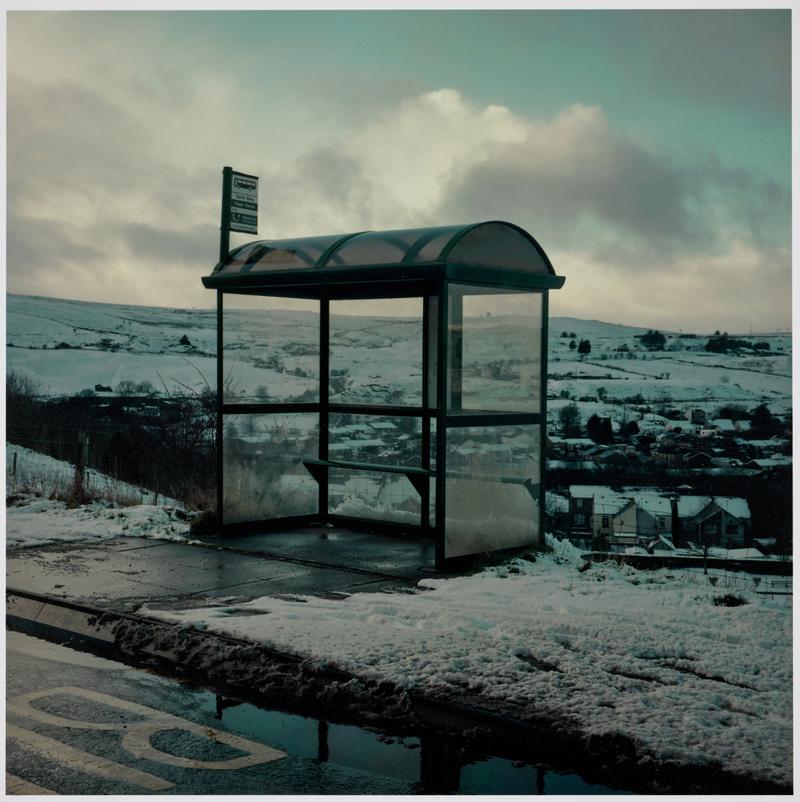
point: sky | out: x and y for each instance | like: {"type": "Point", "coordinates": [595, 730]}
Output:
{"type": "Point", "coordinates": [649, 152]}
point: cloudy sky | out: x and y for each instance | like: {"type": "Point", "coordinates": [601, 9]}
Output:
{"type": "Point", "coordinates": [648, 152]}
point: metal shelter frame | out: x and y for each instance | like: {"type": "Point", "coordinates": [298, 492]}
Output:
{"type": "Point", "coordinates": [439, 265]}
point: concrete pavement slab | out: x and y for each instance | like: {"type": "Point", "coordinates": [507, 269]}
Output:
{"type": "Point", "coordinates": [123, 573]}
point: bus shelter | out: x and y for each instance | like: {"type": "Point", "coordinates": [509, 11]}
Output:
{"type": "Point", "coordinates": [457, 454]}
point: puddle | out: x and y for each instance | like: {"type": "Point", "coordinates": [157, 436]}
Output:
{"type": "Point", "coordinates": [430, 765]}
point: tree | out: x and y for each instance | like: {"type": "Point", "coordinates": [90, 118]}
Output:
{"type": "Point", "coordinates": [653, 340]}
{"type": "Point", "coordinates": [569, 417]}
{"type": "Point", "coordinates": [631, 428]}
{"type": "Point", "coordinates": [573, 345]}
{"type": "Point", "coordinates": [599, 429]}
{"type": "Point", "coordinates": [732, 412]}
{"type": "Point", "coordinates": [584, 347]}
{"type": "Point", "coordinates": [125, 387]}
{"type": "Point", "coordinates": [764, 424]}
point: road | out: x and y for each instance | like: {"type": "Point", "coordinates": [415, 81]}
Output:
{"type": "Point", "coordinates": [79, 724]}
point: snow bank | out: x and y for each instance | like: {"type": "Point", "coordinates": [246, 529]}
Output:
{"type": "Point", "coordinates": [608, 650]}
{"type": "Point", "coordinates": [33, 519]}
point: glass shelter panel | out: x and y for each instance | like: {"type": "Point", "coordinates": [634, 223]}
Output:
{"type": "Point", "coordinates": [499, 245]}
{"type": "Point", "coordinates": [494, 350]}
{"type": "Point", "coordinates": [375, 496]}
{"type": "Point", "coordinates": [271, 354]}
{"type": "Point", "coordinates": [258, 257]}
{"type": "Point", "coordinates": [492, 485]}
{"type": "Point", "coordinates": [376, 439]}
{"type": "Point", "coordinates": [376, 352]}
{"type": "Point", "coordinates": [393, 247]}
{"type": "Point", "coordinates": [263, 472]}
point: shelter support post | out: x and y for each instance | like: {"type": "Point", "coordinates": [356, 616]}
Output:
{"type": "Point", "coordinates": [220, 402]}
{"type": "Point", "coordinates": [324, 398]}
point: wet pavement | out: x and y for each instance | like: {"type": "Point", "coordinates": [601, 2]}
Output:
{"type": "Point", "coordinates": [119, 574]}
{"type": "Point", "coordinates": [409, 557]}
{"type": "Point", "coordinates": [80, 724]}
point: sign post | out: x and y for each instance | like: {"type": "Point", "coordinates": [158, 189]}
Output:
{"type": "Point", "coordinates": [239, 207]}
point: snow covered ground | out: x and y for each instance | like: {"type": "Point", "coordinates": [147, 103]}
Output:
{"type": "Point", "coordinates": [33, 518]}
{"type": "Point", "coordinates": [35, 521]}
{"type": "Point", "coordinates": [70, 346]}
{"type": "Point", "coordinates": [648, 655]}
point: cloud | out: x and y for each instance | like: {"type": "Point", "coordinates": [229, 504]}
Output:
{"type": "Point", "coordinates": [740, 286]}
{"type": "Point", "coordinates": [113, 183]}
{"type": "Point", "coordinates": [580, 182]}
{"type": "Point", "coordinates": [734, 58]}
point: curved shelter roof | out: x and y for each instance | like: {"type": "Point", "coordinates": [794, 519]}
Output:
{"type": "Point", "coordinates": [493, 252]}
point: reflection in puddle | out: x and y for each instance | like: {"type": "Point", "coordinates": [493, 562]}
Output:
{"type": "Point", "coordinates": [432, 765]}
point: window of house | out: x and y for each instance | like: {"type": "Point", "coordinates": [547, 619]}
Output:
{"type": "Point", "coordinates": [732, 529]}
{"type": "Point", "coordinates": [580, 518]}
{"type": "Point", "coordinates": [710, 529]}
{"type": "Point", "coordinates": [605, 521]}
{"type": "Point", "coordinates": [660, 523]}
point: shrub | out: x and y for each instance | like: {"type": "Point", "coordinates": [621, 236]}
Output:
{"type": "Point", "coordinates": [729, 600]}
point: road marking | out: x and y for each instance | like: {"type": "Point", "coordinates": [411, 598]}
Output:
{"type": "Point", "coordinates": [19, 787]}
{"type": "Point", "coordinates": [85, 761]}
{"type": "Point", "coordinates": [137, 735]}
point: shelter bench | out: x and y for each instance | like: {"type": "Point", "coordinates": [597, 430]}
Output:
{"type": "Point", "coordinates": [417, 476]}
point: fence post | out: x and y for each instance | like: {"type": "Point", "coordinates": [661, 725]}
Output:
{"type": "Point", "coordinates": [14, 468]}
{"type": "Point", "coordinates": [85, 454]}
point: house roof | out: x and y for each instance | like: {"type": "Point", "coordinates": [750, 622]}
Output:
{"type": "Point", "coordinates": [771, 462]}
{"type": "Point", "coordinates": [654, 503]}
{"type": "Point", "coordinates": [611, 504]}
{"type": "Point", "coordinates": [689, 506]}
{"type": "Point", "coordinates": [692, 506]}
{"type": "Point", "coordinates": [588, 491]}
{"type": "Point", "coordinates": [737, 507]}
{"type": "Point", "coordinates": [724, 425]}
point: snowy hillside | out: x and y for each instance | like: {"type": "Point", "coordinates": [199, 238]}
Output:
{"type": "Point", "coordinates": [35, 516]}
{"type": "Point", "coordinates": [72, 346]}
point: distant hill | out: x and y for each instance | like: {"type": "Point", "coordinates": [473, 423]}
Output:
{"type": "Point", "coordinates": [73, 346]}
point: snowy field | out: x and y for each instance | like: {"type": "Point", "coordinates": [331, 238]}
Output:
{"type": "Point", "coordinates": [33, 518]}
{"type": "Point", "coordinates": [648, 655]}
{"type": "Point", "coordinates": [70, 346]}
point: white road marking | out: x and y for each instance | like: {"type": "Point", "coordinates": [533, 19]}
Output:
{"type": "Point", "coordinates": [16, 786]}
{"type": "Point", "coordinates": [137, 735]}
{"type": "Point", "coordinates": [85, 761]}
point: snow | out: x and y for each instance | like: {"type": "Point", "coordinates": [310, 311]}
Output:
{"type": "Point", "coordinates": [35, 519]}
{"type": "Point", "coordinates": [737, 507]}
{"type": "Point", "coordinates": [608, 650]}
{"type": "Point", "coordinates": [39, 473]}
